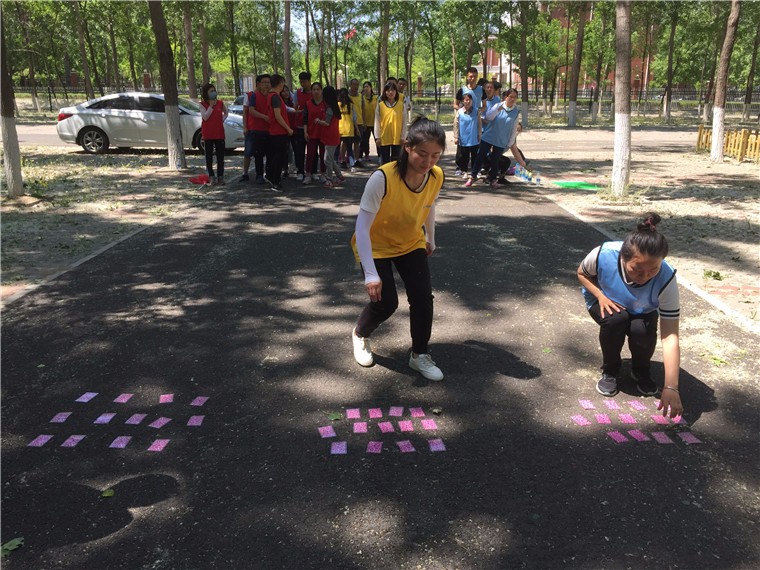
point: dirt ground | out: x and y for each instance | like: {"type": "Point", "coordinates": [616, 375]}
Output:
{"type": "Point", "coordinates": [78, 204]}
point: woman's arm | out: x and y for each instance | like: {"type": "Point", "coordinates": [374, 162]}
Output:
{"type": "Point", "coordinates": [281, 121]}
{"type": "Point", "coordinates": [670, 400]}
{"type": "Point", "coordinates": [225, 112]}
{"type": "Point", "coordinates": [592, 286]}
{"type": "Point", "coordinates": [430, 231]}
{"type": "Point", "coordinates": [372, 280]}
{"type": "Point", "coordinates": [206, 112]}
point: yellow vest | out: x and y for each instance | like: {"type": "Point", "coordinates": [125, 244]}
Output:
{"type": "Point", "coordinates": [369, 111]}
{"type": "Point", "coordinates": [397, 229]}
{"type": "Point", "coordinates": [346, 125]}
{"type": "Point", "coordinates": [356, 101]}
{"type": "Point", "coordinates": [390, 123]}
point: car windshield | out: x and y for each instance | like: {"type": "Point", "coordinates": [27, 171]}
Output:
{"type": "Point", "coordinates": [189, 105]}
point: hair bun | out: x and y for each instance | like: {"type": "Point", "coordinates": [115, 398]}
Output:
{"type": "Point", "coordinates": [649, 223]}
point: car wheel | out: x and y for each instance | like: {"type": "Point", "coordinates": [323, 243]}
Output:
{"type": "Point", "coordinates": [198, 142]}
{"type": "Point", "coordinates": [94, 141]}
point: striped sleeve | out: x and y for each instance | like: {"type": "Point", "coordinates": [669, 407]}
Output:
{"type": "Point", "coordinates": [588, 265]}
{"type": "Point", "coordinates": [670, 304]}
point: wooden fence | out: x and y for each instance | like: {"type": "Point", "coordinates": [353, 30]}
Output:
{"type": "Point", "coordinates": [736, 144]}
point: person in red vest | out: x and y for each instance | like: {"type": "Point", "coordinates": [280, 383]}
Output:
{"type": "Point", "coordinates": [315, 110]}
{"type": "Point", "coordinates": [298, 141]}
{"type": "Point", "coordinates": [279, 134]}
{"type": "Point", "coordinates": [213, 114]}
{"type": "Point", "coordinates": [256, 127]}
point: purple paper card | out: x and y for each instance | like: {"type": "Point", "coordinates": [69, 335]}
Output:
{"type": "Point", "coordinates": [385, 427]}
{"type": "Point", "coordinates": [657, 404]}
{"type": "Point", "coordinates": [158, 445]}
{"type": "Point", "coordinates": [86, 397]}
{"type": "Point", "coordinates": [436, 445]}
{"type": "Point", "coordinates": [659, 419]}
{"type": "Point", "coordinates": [375, 413]}
{"type": "Point", "coordinates": [353, 414]}
{"type": "Point", "coordinates": [405, 446]}
{"type": "Point", "coordinates": [104, 418]}
{"type": "Point", "coordinates": [661, 437]}
{"type": "Point", "coordinates": [195, 420]}
{"type": "Point", "coordinates": [617, 436]}
{"type": "Point", "coordinates": [417, 412]}
{"type": "Point", "coordinates": [612, 405]}
{"type": "Point", "coordinates": [679, 420]}
{"type": "Point", "coordinates": [199, 401]}
{"type": "Point", "coordinates": [603, 419]}
{"type": "Point", "coordinates": [360, 427]}
{"type": "Point", "coordinates": [135, 419]}
{"type": "Point", "coordinates": [338, 448]}
{"type": "Point", "coordinates": [72, 441]}
{"type": "Point", "coordinates": [327, 431]}
{"type": "Point", "coordinates": [160, 422]}
{"type": "Point", "coordinates": [636, 405]}
{"type": "Point", "coordinates": [39, 441]}
{"type": "Point", "coordinates": [638, 435]}
{"type": "Point", "coordinates": [375, 447]}
{"type": "Point", "coordinates": [580, 420]}
{"type": "Point", "coordinates": [60, 418]}
{"type": "Point", "coordinates": [586, 404]}
{"type": "Point", "coordinates": [396, 411]}
{"type": "Point", "coordinates": [429, 424]}
{"type": "Point", "coordinates": [123, 399]}
{"type": "Point", "coordinates": [166, 398]}
{"type": "Point", "coordinates": [405, 425]}
{"type": "Point", "coordinates": [689, 437]}
{"type": "Point", "coordinates": [627, 419]}
{"type": "Point", "coordinates": [120, 442]}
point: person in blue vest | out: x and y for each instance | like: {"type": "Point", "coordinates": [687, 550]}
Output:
{"type": "Point", "coordinates": [628, 287]}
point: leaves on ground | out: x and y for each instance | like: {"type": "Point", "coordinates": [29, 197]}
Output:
{"type": "Point", "coordinates": [710, 274]}
{"type": "Point", "coordinates": [108, 493]}
{"type": "Point", "coordinates": [437, 411]}
{"type": "Point", "coordinates": [11, 545]}
{"type": "Point", "coordinates": [334, 416]}
{"type": "Point", "coordinates": [547, 350]}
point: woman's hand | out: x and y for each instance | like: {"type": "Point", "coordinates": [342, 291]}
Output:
{"type": "Point", "coordinates": [373, 289]}
{"type": "Point", "coordinates": [429, 248]}
{"type": "Point", "coordinates": [608, 305]}
{"type": "Point", "coordinates": [670, 401]}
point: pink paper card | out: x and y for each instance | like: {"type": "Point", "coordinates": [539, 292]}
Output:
{"type": "Point", "coordinates": [396, 411]}
{"type": "Point", "coordinates": [405, 446]}
{"type": "Point", "coordinates": [627, 419]}
{"type": "Point", "coordinates": [199, 401]}
{"type": "Point", "coordinates": [405, 425]}
{"type": "Point", "coordinates": [72, 441]}
{"type": "Point", "coordinates": [688, 437]}
{"type": "Point", "coordinates": [338, 448]}
{"type": "Point", "coordinates": [660, 419]}
{"type": "Point", "coordinates": [360, 427]}
{"type": "Point", "coordinates": [386, 427]}
{"type": "Point", "coordinates": [617, 436]}
{"type": "Point", "coordinates": [39, 441]}
{"type": "Point", "coordinates": [580, 420]}
{"type": "Point", "coordinates": [353, 414]}
{"type": "Point", "coordinates": [429, 424]}
{"type": "Point", "coordinates": [656, 404]}
{"type": "Point", "coordinates": [195, 420]}
{"type": "Point", "coordinates": [638, 435]}
{"type": "Point", "coordinates": [135, 419]}
{"type": "Point", "coordinates": [158, 445]}
{"type": "Point", "coordinates": [120, 442]}
{"type": "Point", "coordinates": [586, 404]}
{"type": "Point", "coordinates": [327, 431]}
{"type": "Point", "coordinates": [679, 420]}
{"type": "Point", "coordinates": [86, 397]}
{"type": "Point", "coordinates": [104, 418]}
{"type": "Point", "coordinates": [417, 412]}
{"type": "Point", "coordinates": [636, 405]}
{"type": "Point", "coordinates": [436, 445]}
{"type": "Point", "coordinates": [603, 419]}
{"type": "Point", "coordinates": [661, 437]}
{"type": "Point", "coordinates": [123, 399]}
{"type": "Point", "coordinates": [375, 447]}
{"type": "Point", "coordinates": [375, 413]}
{"type": "Point", "coordinates": [159, 423]}
{"type": "Point", "coordinates": [60, 418]}
{"type": "Point", "coordinates": [166, 398]}
{"type": "Point", "coordinates": [612, 405]}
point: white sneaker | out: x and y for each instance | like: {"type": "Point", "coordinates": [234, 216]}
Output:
{"type": "Point", "coordinates": [458, 173]}
{"type": "Point", "coordinates": [362, 350]}
{"type": "Point", "coordinates": [307, 179]}
{"type": "Point", "coordinates": [425, 366]}
{"type": "Point", "coordinates": [300, 178]}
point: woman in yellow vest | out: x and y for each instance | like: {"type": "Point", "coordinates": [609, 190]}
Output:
{"type": "Point", "coordinates": [347, 126]}
{"type": "Point", "coordinates": [370, 104]}
{"type": "Point", "coordinates": [396, 227]}
{"type": "Point", "coordinates": [390, 124]}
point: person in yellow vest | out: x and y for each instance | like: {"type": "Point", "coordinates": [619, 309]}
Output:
{"type": "Point", "coordinates": [347, 127]}
{"type": "Point", "coordinates": [357, 101]}
{"type": "Point", "coordinates": [369, 106]}
{"type": "Point", "coordinates": [396, 227]}
{"type": "Point", "coordinates": [390, 123]}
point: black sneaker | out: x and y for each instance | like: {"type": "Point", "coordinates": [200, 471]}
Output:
{"type": "Point", "coordinates": [259, 179]}
{"type": "Point", "coordinates": [645, 385]}
{"type": "Point", "coordinates": [607, 385]}
{"type": "Point", "coordinates": [503, 180]}
{"type": "Point", "coordinates": [244, 178]}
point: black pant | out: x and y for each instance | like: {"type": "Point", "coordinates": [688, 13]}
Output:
{"type": "Point", "coordinates": [389, 153]}
{"type": "Point", "coordinates": [364, 146]}
{"type": "Point", "coordinates": [641, 331]}
{"type": "Point", "coordinates": [277, 157]}
{"type": "Point", "coordinates": [260, 145]}
{"type": "Point", "coordinates": [466, 157]}
{"type": "Point", "coordinates": [415, 273]}
{"type": "Point", "coordinates": [214, 146]}
{"type": "Point", "coordinates": [298, 142]}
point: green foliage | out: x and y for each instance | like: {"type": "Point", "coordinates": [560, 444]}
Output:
{"type": "Point", "coordinates": [10, 546]}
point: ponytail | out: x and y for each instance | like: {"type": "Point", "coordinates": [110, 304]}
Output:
{"type": "Point", "coordinates": [421, 130]}
{"type": "Point", "coordinates": [645, 239]}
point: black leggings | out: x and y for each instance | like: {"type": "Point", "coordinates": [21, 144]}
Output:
{"type": "Point", "coordinates": [641, 331]}
{"type": "Point", "coordinates": [214, 146]}
{"type": "Point", "coordinates": [465, 158]}
{"type": "Point", "coordinates": [415, 273]}
{"type": "Point", "coordinates": [389, 153]}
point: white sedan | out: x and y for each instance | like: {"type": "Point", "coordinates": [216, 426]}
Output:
{"type": "Point", "coordinates": [136, 120]}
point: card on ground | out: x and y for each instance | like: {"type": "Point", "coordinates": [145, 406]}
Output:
{"type": "Point", "coordinates": [195, 420]}
{"type": "Point", "coordinates": [660, 419]}
{"type": "Point", "coordinates": [386, 427]}
{"type": "Point", "coordinates": [86, 397]}
{"type": "Point", "coordinates": [375, 447]}
{"type": "Point", "coordinates": [39, 441]}
{"type": "Point", "coordinates": [436, 445]}
{"type": "Point", "coordinates": [580, 420]}
{"type": "Point", "coordinates": [612, 405]}
{"type": "Point", "coordinates": [396, 411]}
{"type": "Point", "coordinates": [72, 441]}
{"type": "Point", "coordinates": [159, 423]}
{"type": "Point", "coordinates": [688, 437]}
{"type": "Point", "coordinates": [353, 413]}
{"type": "Point", "coordinates": [405, 425]}
{"type": "Point", "coordinates": [636, 405]}
{"type": "Point", "coordinates": [603, 419]}
{"type": "Point", "coordinates": [375, 413]}
{"type": "Point", "coordinates": [123, 398]}
{"type": "Point", "coordinates": [104, 418]}
{"type": "Point", "coordinates": [417, 412]}
{"type": "Point", "coordinates": [135, 419]}
{"type": "Point", "coordinates": [158, 445]}
{"type": "Point", "coordinates": [429, 424]}
{"type": "Point", "coordinates": [60, 418]}
{"type": "Point", "coordinates": [327, 431]}
{"type": "Point", "coordinates": [120, 442]}
{"type": "Point", "coordinates": [405, 446]}
{"type": "Point", "coordinates": [638, 435]}
{"type": "Point", "coordinates": [617, 436]}
{"type": "Point", "coordinates": [661, 437]}
{"type": "Point", "coordinates": [199, 401]}
{"type": "Point", "coordinates": [166, 399]}
{"type": "Point", "coordinates": [360, 427]}
{"type": "Point", "coordinates": [586, 404]}
{"type": "Point", "coordinates": [627, 419]}
{"type": "Point", "coordinates": [339, 448]}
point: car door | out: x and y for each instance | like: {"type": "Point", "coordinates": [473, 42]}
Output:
{"type": "Point", "coordinates": [115, 117]}
{"type": "Point", "coordinates": [152, 118]}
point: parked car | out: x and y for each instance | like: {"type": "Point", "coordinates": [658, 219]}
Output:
{"type": "Point", "coordinates": [136, 120]}
{"type": "Point", "coordinates": [237, 105]}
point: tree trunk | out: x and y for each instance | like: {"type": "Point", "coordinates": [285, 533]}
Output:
{"type": "Point", "coordinates": [577, 55]}
{"type": "Point", "coordinates": [187, 21]}
{"type": "Point", "coordinates": [12, 158]}
{"type": "Point", "coordinates": [721, 82]}
{"type": "Point", "coordinates": [644, 62]}
{"type": "Point", "coordinates": [750, 78]}
{"type": "Point", "coordinates": [599, 63]}
{"type": "Point", "coordinates": [274, 29]}
{"type": "Point", "coordinates": [453, 60]}
{"type": "Point", "coordinates": [131, 56]}
{"type": "Point", "coordinates": [621, 162]}
{"type": "Point", "coordinates": [205, 64]}
{"type": "Point", "coordinates": [87, 37]}
{"type": "Point", "coordinates": [112, 37]}
{"type": "Point", "coordinates": [323, 77]}
{"type": "Point", "coordinates": [176, 150]}
{"type": "Point", "coordinates": [408, 52]}
{"type": "Point", "coordinates": [524, 62]}
{"type": "Point", "coordinates": [675, 8]}
{"type": "Point", "coordinates": [233, 47]}
{"type": "Point", "coordinates": [89, 92]}
{"type": "Point", "coordinates": [286, 45]}
{"type": "Point", "coordinates": [307, 65]}
{"type": "Point", "coordinates": [431, 35]}
{"type": "Point", "coordinates": [711, 83]}
{"type": "Point", "coordinates": [24, 20]}
{"type": "Point", "coordinates": [385, 24]}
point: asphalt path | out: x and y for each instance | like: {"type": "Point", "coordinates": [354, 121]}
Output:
{"type": "Point", "coordinates": [250, 303]}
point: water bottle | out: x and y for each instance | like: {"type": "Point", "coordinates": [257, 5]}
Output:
{"type": "Point", "coordinates": [538, 179]}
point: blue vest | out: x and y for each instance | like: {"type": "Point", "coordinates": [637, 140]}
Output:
{"type": "Point", "coordinates": [476, 94]}
{"type": "Point", "coordinates": [636, 300]}
{"type": "Point", "coordinates": [499, 130]}
{"type": "Point", "coordinates": [468, 127]}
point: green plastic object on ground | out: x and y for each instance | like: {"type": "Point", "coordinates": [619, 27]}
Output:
{"type": "Point", "coordinates": [576, 185]}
